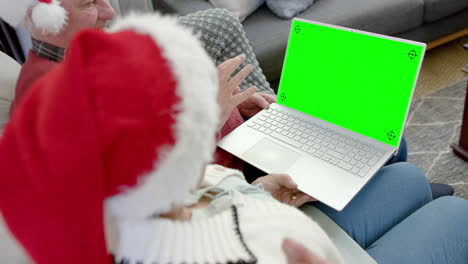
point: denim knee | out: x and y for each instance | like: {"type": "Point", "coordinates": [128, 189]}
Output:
{"type": "Point", "coordinates": [436, 233]}
{"type": "Point", "coordinates": [397, 191]}
{"type": "Point", "coordinates": [452, 206]}
{"type": "Point", "coordinates": [412, 178]}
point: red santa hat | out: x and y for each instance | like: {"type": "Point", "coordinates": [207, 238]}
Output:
{"type": "Point", "coordinates": [46, 15]}
{"type": "Point", "coordinates": [126, 122]}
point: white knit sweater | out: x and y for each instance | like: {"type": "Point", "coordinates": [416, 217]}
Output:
{"type": "Point", "coordinates": [244, 228]}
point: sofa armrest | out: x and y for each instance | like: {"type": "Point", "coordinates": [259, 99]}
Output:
{"type": "Point", "coordinates": [181, 7]}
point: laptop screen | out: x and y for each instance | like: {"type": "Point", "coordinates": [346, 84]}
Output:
{"type": "Point", "coordinates": [359, 81]}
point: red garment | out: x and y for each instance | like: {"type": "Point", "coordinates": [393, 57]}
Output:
{"type": "Point", "coordinates": [223, 157]}
{"type": "Point", "coordinates": [80, 135]}
{"type": "Point", "coordinates": [34, 68]}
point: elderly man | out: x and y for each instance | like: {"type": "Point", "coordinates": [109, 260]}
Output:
{"type": "Point", "coordinates": [49, 48]}
{"type": "Point", "coordinates": [50, 43]}
{"type": "Point", "coordinates": [399, 187]}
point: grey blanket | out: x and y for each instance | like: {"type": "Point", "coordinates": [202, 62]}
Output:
{"type": "Point", "coordinates": [224, 37]}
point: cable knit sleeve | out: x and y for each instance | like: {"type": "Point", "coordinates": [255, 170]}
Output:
{"type": "Point", "coordinates": [214, 174]}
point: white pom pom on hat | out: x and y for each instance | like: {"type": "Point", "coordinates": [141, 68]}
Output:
{"type": "Point", "coordinates": [47, 15]}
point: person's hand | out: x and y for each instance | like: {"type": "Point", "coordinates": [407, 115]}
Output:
{"type": "Point", "coordinates": [284, 189]}
{"type": "Point", "coordinates": [255, 104]}
{"type": "Point", "coordinates": [298, 254]}
{"type": "Point", "coordinates": [229, 95]}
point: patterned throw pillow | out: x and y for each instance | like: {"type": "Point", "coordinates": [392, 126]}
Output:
{"type": "Point", "coordinates": [241, 8]}
{"type": "Point", "coordinates": [288, 8]}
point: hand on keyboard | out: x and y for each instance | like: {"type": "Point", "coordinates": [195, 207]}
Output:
{"type": "Point", "coordinates": [255, 104]}
{"type": "Point", "coordinates": [229, 95]}
{"type": "Point", "coordinates": [284, 189]}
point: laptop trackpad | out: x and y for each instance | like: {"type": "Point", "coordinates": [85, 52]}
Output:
{"type": "Point", "coordinates": [271, 157]}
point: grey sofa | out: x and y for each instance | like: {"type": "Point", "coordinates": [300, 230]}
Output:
{"type": "Point", "coordinates": [420, 20]}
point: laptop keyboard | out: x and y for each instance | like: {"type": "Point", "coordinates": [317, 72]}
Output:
{"type": "Point", "coordinates": [349, 154]}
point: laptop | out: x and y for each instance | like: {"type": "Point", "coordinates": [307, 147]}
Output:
{"type": "Point", "coordinates": [342, 103]}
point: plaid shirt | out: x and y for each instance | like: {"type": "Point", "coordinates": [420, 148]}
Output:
{"type": "Point", "coordinates": [47, 51]}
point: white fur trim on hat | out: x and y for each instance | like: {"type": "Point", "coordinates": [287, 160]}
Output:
{"type": "Point", "coordinates": [50, 18]}
{"type": "Point", "coordinates": [178, 171]}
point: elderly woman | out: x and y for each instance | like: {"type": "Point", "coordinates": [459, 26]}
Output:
{"type": "Point", "coordinates": [130, 138]}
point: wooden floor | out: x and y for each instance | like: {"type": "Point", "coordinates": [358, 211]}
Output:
{"type": "Point", "coordinates": [441, 66]}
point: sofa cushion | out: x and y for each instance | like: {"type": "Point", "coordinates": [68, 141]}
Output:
{"type": "Point", "coordinates": [288, 9]}
{"type": "Point", "coordinates": [8, 76]}
{"type": "Point", "coordinates": [181, 7]}
{"type": "Point", "coordinates": [241, 8]}
{"type": "Point", "coordinates": [437, 9]}
{"type": "Point", "coordinates": [431, 31]}
{"type": "Point", "coordinates": [268, 34]}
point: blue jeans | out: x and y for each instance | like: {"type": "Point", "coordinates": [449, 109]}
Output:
{"type": "Point", "coordinates": [391, 196]}
{"type": "Point", "coordinates": [396, 221]}
{"type": "Point", "coordinates": [436, 233]}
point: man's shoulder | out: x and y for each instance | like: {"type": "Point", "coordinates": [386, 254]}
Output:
{"type": "Point", "coordinates": [33, 69]}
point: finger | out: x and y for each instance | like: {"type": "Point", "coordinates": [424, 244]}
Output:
{"type": "Point", "coordinates": [258, 101]}
{"type": "Point", "coordinates": [270, 98]}
{"type": "Point", "coordinates": [261, 102]}
{"type": "Point", "coordinates": [307, 197]}
{"type": "Point", "coordinates": [298, 254]}
{"type": "Point", "coordinates": [226, 68]}
{"type": "Point", "coordinates": [240, 76]}
{"type": "Point", "coordinates": [285, 181]}
{"type": "Point", "coordinates": [242, 96]}
{"type": "Point", "coordinates": [301, 199]}
{"type": "Point", "coordinates": [229, 63]}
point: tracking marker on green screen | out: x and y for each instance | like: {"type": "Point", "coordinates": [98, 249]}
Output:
{"type": "Point", "coordinates": [360, 82]}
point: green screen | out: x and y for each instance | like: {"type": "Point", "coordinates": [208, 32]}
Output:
{"type": "Point", "coordinates": [360, 82]}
